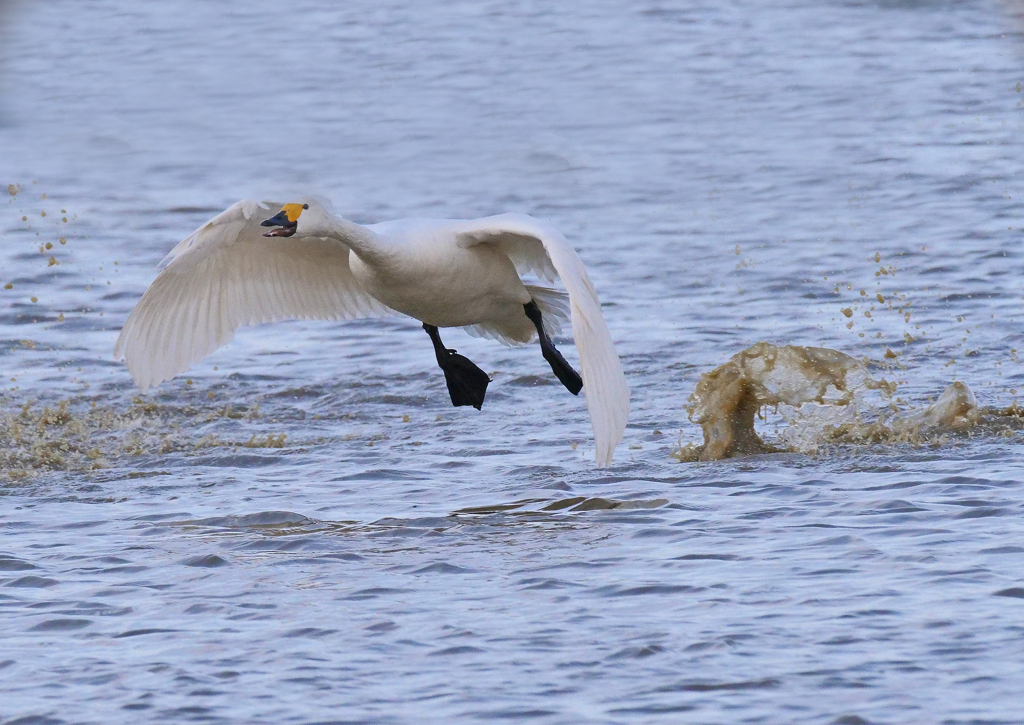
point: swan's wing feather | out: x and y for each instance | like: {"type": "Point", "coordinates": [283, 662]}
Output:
{"type": "Point", "coordinates": [241, 211]}
{"type": "Point", "coordinates": [227, 275]}
{"type": "Point", "coordinates": [535, 246]}
{"type": "Point", "coordinates": [528, 254]}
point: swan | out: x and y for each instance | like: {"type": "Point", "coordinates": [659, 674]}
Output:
{"type": "Point", "coordinates": [312, 264]}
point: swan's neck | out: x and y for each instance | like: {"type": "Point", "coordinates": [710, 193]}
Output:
{"type": "Point", "coordinates": [367, 245]}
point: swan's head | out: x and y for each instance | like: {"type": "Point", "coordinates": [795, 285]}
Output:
{"type": "Point", "coordinates": [286, 221]}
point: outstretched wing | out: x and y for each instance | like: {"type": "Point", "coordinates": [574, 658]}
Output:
{"type": "Point", "coordinates": [534, 246]}
{"type": "Point", "coordinates": [226, 275]}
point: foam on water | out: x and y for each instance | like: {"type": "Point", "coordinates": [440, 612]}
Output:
{"type": "Point", "coordinates": [80, 435]}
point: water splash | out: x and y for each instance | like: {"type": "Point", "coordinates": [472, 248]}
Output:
{"type": "Point", "coordinates": [79, 435]}
{"type": "Point", "coordinates": [824, 397]}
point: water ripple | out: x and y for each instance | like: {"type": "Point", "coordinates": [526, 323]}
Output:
{"type": "Point", "coordinates": [301, 529]}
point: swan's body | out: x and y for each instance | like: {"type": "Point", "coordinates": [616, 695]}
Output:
{"type": "Point", "coordinates": [441, 283]}
{"type": "Point", "coordinates": [445, 273]}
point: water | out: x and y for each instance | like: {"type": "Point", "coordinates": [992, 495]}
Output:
{"type": "Point", "coordinates": [302, 529]}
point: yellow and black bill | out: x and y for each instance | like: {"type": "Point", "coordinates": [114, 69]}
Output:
{"type": "Point", "coordinates": [286, 220]}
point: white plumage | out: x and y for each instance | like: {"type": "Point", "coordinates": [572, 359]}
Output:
{"type": "Point", "coordinates": [446, 273]}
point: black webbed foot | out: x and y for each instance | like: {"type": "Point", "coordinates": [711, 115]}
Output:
{"type": "Point", "coordinates": [562, 369]}
{"type": "Point", "coordinates": [467, 384]}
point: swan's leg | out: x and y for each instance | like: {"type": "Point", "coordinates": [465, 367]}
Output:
{"type": "Point", "coordinates": [563, 370]}
{"type": "Point", "coordinates": [467, 384]}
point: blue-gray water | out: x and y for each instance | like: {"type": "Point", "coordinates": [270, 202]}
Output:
{"type": "Point", "coordinates": [302, 529]}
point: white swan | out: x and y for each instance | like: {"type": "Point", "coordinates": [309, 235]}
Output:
{"type": "Point", "coordinates": [445, 273]}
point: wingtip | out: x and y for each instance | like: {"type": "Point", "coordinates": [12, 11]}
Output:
{"type": "Point", "coordinates": [605, 451]}
{"type": "Point", "coordinates": [119, 345]}
{"type": "Point", "coordinates": [142, 383]}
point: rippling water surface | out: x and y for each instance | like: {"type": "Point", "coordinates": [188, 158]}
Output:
{"type": "Point", "coordinates": [302, 529]}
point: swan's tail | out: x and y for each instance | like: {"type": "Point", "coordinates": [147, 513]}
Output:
{"type": "Point", "coordinates": [554, 307]}
{"type": "Point", "coordinates": [516, 332]}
